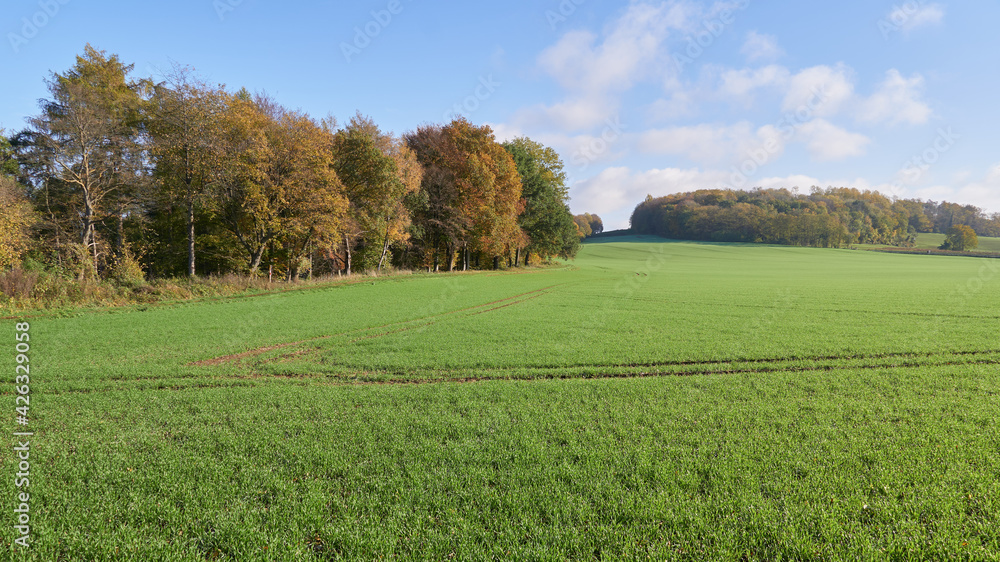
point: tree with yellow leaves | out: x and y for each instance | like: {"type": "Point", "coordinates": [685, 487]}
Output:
{"type": "Point", "coordinates": [273, 181]}
{"type": "Point", "coordinates": [16, 218]}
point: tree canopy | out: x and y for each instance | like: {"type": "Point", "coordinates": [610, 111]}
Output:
{"type": "Point", "coordinates": [961, 238]}
{"type": "Point", "coordinates": [825, 217]}
{"type": "Point", "coordinates": [179, 176]}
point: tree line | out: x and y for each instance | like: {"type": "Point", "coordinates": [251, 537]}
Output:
{"type": "Point", "coordinates": [122, 176]}
{"type": "Point", "coordinates": [828, 217]}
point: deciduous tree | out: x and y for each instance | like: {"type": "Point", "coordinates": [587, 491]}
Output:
{"type": "Point", "coordinates": [16, 219]}
{"type": "Point", "coordinates": [378, 172]}
{"type": "Point", "coordinates": [546, 218]}
{"type": "Point", "coordinates": [961, 238]}
{"type": "Point", "coordinates": [88, 136]}
{"type": "Point", "coordinates": [183, 124]}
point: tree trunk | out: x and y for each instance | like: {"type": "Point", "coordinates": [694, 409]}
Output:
{"type": "Point", "coordinates": [451, 258]}
{"type": "Point", "coordinates": [385, 249]}
{"type": "Point", "coordinates": [496, 263]}
{"type": "Point", "coordinates": [517, 256]}
{"type": "Point", "coordinates": [190, 229]}
{"type": "Point", "coordinates": [527, 256]}
{"type": "Point", "coordinates": [120, 234]}
{"type": "Point", "coordinates": [255, 258]}
{"type": "Point", "coordinates": [347, 250]}
{"type": "Point", "coordinates": [89, 237]}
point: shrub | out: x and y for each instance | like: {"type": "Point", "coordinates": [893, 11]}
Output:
{"type": "Point", "coordinates": [126, 271]}
{"type": "Point", "coordinates": [18, 283]}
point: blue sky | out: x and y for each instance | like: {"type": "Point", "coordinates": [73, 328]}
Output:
{"type": "Point", "coordinates": [640, 98]}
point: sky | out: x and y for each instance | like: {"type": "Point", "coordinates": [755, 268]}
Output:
{"type": "Point", "coordinates": [639, 98]}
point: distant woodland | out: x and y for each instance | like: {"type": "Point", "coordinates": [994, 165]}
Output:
{"type": "Point", "coordinates": [128, 179]}
{"type": "Point", "coordinates": [829, 217]}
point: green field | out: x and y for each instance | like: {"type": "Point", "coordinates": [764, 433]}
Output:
{"type": "Point", "coordinates": [651, 399]}
{"type": "Point", "coordinates": [931, 241]}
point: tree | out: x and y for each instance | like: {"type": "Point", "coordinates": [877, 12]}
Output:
{"type": "Point", "coordinates": [588, 225]}
{"type": "Point", "coordinates": [88, 137]}
{"type": "Point", "coordinates": [16, 219]}
{"type": "Point", "coordinates": [489, 189]}
{"type": "Point", "coordinates": [183, 126]}
{"type": "Point", "coordinates": [273, 181]}
{"type": "Point", "coordinates": [596, 224]}
{"type": "Point", "coordinates": [8, 159]}
{"type": "Point", "coordinates": [438, 222]}
{"type": "Point", "coordinates": [546, 219]}
{"type": "Point", "coordinates": [378, 172]}
{"type": "Point", "coordinates": [961, 238]}
{"type": "Point", "coordinates": [314, 198]}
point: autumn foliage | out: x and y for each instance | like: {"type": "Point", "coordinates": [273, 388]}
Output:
{"type": "Point", "coordinates": [826, 217]}
{"type": "Point", "coordinates": [180, 177]}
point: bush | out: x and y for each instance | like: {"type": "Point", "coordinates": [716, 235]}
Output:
{"type": "Point", "coordinates": [126, 271]}
{"type": "Point", "coordinates": [18, 283]}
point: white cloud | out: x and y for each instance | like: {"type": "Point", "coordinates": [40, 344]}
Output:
{"type": "Point", "coordinates": [911, 16]}
{"type": "Point", "coordinates": [614, 192]}
{"type": "Point", "coordinates": [985, 193]}
{"type": "Point", "coordinates": [713, 144]}
{"type": "Point", "coordinates": [577, 151]}
{"type": "Point", "coordinates": [741, 83]}
{"type": "Point", "coordinates": [761, 47]}
{"type": "Point", "coordinates": [897, 100]}
{"type": "Point", "coordinates": [504, 132]}
{"type": "Point", "coordinates": [571, 115]}
{"type": "Point", "coordinates": [629, 51]}
{"type": "Point", "coordinates": [823, 89]}
{"type": "Point", "coordinates": [680, 104]}
{"type": "Point", "coordinates": [827, 142]}
{"type": "Point", "coordinates": [702, 143]}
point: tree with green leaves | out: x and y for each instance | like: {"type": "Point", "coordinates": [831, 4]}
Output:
{"type": "Point", "coordinates": [378, 171]}
{"type": "Point", "coordinates": [8, 158]}
{"type": "Point", "coordinates": [183, 123]}
{"type": "Point", "coordinates": [546, 218]}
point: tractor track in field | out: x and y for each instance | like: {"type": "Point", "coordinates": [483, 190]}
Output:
{"type": "Point", "coordinates": [346, 377]}
{"type": "Point", "coordinates": [403, 327]}
{"type": "Point", "coordinates": [525, 374]}
{"type": "Point", "coordinates": [696, 363]}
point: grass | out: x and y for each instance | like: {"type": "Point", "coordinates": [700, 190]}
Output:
{"type": "Point", "coordinates": [652, 399]}
{"type": "Point", "coordinates": [932, 241]}
{"type": "Point", "coordinates": [37, 288]}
